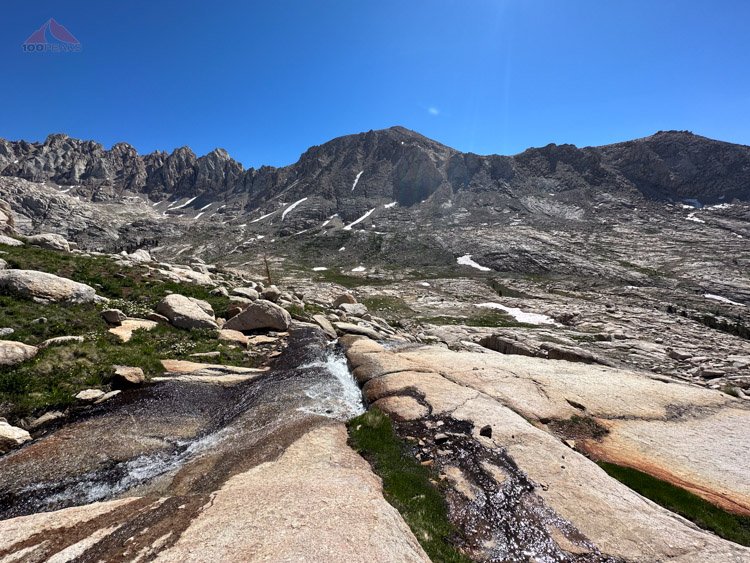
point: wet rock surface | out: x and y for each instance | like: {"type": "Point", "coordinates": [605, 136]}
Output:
{"type": "Point", "coordinates": [520, 489]}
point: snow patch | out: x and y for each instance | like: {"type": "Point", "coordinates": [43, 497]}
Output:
{"type": "Point", "coordinates": [205, 207]}
{"type": "Point", "coordinates": [519, 315]}
{"type": "Point", "coordinates": [365, 216]}
{"type": "Point", "coordinates": [721, 299]}
{"type": "Point", "coordinates": [466, 260]}
{"type": "Point", "coordinates": [262, 217]}
{"type": "Point", "coordinates": [319, 269]}
{"type": "Point", "coordinates": [389, 205]}
{"type": "Point", "coordinates": [198, 216]}
{"type": "Point", "coordinates": [342, 249]}
{"type": "Point", "coordinates": [188, 202]}
{"type": "Point", "coordinates": [692, 217]}
{"type": "Point", "coordinates": [424, 284]}
{"type": "Point", "coordinates": [291, 207]}
{"type": "Point", "coordinates": [359, 269]}
{"type": "Point", "coordinates": [356, 180]}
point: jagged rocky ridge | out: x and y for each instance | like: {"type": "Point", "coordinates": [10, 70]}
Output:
{"type": "Point", "coordinates": [396, 164]}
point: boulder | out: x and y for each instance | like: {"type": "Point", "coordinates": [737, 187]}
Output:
{"type": "Point", "coordinates": [45, 288]}
{"type": "Point", "coordinates": [12, 353]}
{"type": "Point", "coordinates": [325, 324]}
{"type": "Point", "coordinates": [271, 293]}
{"type": "Point", "coordinates": [343, 298]}
{"type": "Point", "coordinates": [246, 292]}
{"type": "Point", "coordinates": [49, 240]}
{"type": "Point", "coordinates": [10, 241]}
{"type": "Point", "coordinates": [157, 318]}
{"type": "Point", "coordinates": [113, 316]}
{"type": "Point", "coordinates": [7, 224]}
{"type": "Point", "coordinates": [140, 256]}
{"type": "Point", "coordinates": [11, 436]}
{"type": "Point", "coordinates": [260, 315]}
{"type": "Point", "coordinates": [6, 331]}
{"type": "Point", "coordinates": [349, 328]}
{"type": "Point", "coordinates": [220, 291]}
{"type": "Point", "coordinates": [353, 309]}
{"type": "Point", "coordinates": [126, 376]}
{"type": "Point", "coordinates": [3, 264]}
{"type": "Point", "coordinates": [186, 312]}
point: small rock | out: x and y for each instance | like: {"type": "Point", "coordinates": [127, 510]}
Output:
{"type": "Point", "coordinates": [235, 336]}
{"type": "Point", "coordinates": [349, 328]}
{"type": "Point", "coordinates": [157, 318]}
{"type": "Point", "coordinates": [220, 291]}
{"type": "Point", "coordinates": [46, 418]}
{"type": "Point", "coordinates": [90, 395]}
{"type": "Point", "coordinates": [12, 436]}
{"type": "Point", "coordinates": [107, 396]}
{"type": "Point", "coordinates": [113, 316]}
{"type": "Point", "coordinates": [441, 438]}
{"type": "Point", "coordinates": [3, 264]}
{"type": "Point", "coordinates": [212, 354]}
{"type": "Point", "coordinates": [126, 376]}
{"type": "Point", "coordinates": [6, 331]}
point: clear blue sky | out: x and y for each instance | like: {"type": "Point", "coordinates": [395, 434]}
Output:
{"type": "Point", "coordinates": [266, 80]}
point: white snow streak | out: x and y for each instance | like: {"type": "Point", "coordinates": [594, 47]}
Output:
{"type": "Point", "coordinates": [359, 269]}
{"type": "Point", "coordinates": [205, 207]}
{"type": "Point", "coordinates": [389, 205]}
{"type": "Point", "coordinates": [188, 202]}
{"type": "Point", "coordinates": [288, 209]}
{"type": "Point", "coordinates": [356, 180]}
{"type": "Point", "coordinates": [722, 299]}
{"type": "Point", "coordinates": [466, 260]}
{"type": "Point", "coordinates": [692, 217]}
{"type": "Point", "coordinates": [198, 216]}
{"type": "Point", "coordinates": [519, 315]}
{"type": "Point", "coordinates": [319, 269]}
{"type": "Point", "coordinates": [262, 217]}
{"type": "Point", "coordinates": [365, 216]}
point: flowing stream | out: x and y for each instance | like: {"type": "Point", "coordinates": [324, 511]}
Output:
{"type": "Point", "coordinates": [167, 433]}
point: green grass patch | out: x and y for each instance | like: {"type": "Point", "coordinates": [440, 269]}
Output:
{"type": "Point", "coordinates": [729, 526]}
{"type": "Point", "coordinates": [345, 280]}
{"type": "Point", "coordinates": [136, 288]}
{"type": "Point", "coordinates": [391, 308]}
{"type": "Point", "coordinates": [406, 484]}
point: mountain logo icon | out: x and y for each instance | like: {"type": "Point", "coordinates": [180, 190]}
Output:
{"type": "Point", "coordinates": [52, 37]}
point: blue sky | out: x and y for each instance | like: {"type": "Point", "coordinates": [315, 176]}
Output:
{"type": "Point", "coordinates": [266, 80]}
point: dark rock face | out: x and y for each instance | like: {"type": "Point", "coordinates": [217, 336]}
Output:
{"type": "Point", "coordinates": [354, 173]}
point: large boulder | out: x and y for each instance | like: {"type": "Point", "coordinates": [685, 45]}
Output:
{"type": "Point", "coordinates": [45, 288]}
{"type": "Point", "coordinates": [50, 241]}
{"type": "Point", "coordinates": [11, 436]}
{"type": "Point", "coordinates": [12, 353]}
{"type": "Point", "coordinates": [353, 309]}
{"type": "Point", "coordinates": [10, 241]}
{"type": "Point", "coordinates": [186, 312]}
{"type": "Point", "coordinates": [246, 292]}
{"type": "Point", "coordinates": [343, 298]}
{"type": "Point", "coordinates": [260, 315]}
